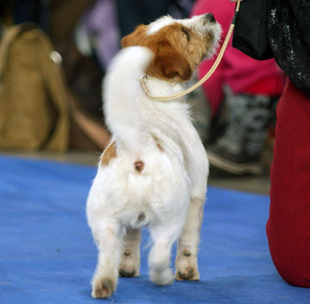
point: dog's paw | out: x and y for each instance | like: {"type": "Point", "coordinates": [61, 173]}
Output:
{"type": "Point", "coordinates": [103, 287]}
{"type": "Point", "coordinates": [163, 277]}
{"type": "Point", "coordinates": [188, 274]}
{"type": "Point", "coordinates": [129, 265]}
{"type": "Point", "coordinates": [186, 268]}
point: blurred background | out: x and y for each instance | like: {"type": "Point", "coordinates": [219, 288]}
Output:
{"type": "Point", "coordinates": [54, 55]}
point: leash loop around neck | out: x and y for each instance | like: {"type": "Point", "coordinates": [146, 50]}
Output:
{"type": "Point", "coordinates": [206, 77]}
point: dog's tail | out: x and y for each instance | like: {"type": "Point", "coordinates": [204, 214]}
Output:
{"type": "Point", "coordinates": [122, 91]}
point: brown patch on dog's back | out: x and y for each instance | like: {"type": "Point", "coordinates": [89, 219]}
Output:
{"type": "Point", "coordinates": [108, 154]}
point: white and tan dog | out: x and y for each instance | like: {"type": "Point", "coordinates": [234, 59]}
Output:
{"type": "Point", "coordinates": [154, 172]}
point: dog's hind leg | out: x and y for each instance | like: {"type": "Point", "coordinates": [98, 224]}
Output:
{"type": "Point", "coordinates": [159, 258]}
{"type": "Point", "coordinates": [108, 239]}
{"type": "Point", "coordinates": [130, 258]}
{"type": "Point", "coordinates": [186, 261]}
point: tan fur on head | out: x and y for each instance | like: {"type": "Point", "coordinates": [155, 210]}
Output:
{"type": "Point", "coordinates": [178, 49]}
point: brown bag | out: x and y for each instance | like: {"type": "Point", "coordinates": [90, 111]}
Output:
{"type": "Point", "coordinates": [34, 111]}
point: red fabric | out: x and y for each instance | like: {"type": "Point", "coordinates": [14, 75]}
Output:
{"type": "Point", "coordinates": [240, 72]}
{"type": "Point", "coordinates": [288, 227]}
{"type": "Point", "coordinates": [269, 85]}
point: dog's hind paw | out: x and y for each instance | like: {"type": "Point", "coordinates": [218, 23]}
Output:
{"type": "Point", "coordinates": [163, 277]}
{"type": "Point", "coordinates": [124, 272]}
{"type": "Point", "coordinates": [129, 265]}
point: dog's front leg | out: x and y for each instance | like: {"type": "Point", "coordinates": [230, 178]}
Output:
{"type": "Point", "coordinates": [108, 239]}
{"type": "Point", "coordinates": [160, 254]}
{"type": "Point", "coordinates": [186, 261]}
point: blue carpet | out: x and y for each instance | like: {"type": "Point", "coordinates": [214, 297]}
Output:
{"type": "Point", "coordinates": [47, 254]}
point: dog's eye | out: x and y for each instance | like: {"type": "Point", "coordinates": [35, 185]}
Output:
{"type": "Point", "coordinates": [186, 33]}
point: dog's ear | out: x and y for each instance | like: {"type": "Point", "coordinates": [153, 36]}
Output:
{"type": "Point", "coordinates": [168, 63]}
{"type": "Point", "coordinates": [135, 38]}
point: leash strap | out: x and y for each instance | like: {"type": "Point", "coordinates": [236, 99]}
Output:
{"type": "Point", "coordinates": [206, 77]}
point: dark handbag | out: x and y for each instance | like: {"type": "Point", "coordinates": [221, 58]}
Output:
{"type": "Point", "coordinates": [251, 30]}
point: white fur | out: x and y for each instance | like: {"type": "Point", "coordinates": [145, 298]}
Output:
{"type": "Point", "coordinates": [170, 190]}
{"type": "Point", "coordinates": [122, 92]}
{"type": "Point", "coordinates": [159, 24]}
{"type": "Point", "coordinates": [199, 24]}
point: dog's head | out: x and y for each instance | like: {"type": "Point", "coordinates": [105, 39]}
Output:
{"type": "Point", "coordinates": [179, 45]}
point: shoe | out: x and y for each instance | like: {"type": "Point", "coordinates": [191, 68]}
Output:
{"type": "Point", "coordinates": [239, 150]}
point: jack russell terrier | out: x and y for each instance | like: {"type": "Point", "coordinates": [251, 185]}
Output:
{"type": "Point", "coordinates": [154, 171]}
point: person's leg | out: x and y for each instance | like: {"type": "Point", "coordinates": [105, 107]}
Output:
{"type": "Point", "coordinates": [288, 227]}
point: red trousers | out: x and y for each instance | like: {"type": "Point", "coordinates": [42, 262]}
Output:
{"type": "Point", "coordinates": [288, 227]}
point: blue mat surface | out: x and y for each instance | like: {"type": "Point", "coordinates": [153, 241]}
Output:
{"type": "Point", "coordinates": [47, 254]}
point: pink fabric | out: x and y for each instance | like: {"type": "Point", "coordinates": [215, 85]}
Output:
{"type": "Point", "coordinates": [240, 72]}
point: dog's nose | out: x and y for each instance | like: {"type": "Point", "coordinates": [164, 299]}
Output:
{"type": "Point", "coordinates": [210, 17]}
